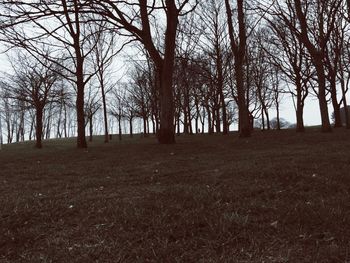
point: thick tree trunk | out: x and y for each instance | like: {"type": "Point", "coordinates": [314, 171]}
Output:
{"type": "Point", "coordinates": [81, 140]}
{"type": "Point", "coordinates": [336, 106]}
{"type": "Point", "coordinates": [166, 133]}
{"type": "Point", "coordinates": [243, 114]}
{"type": "Point", "coordinates": [145, 132]}
{"type": "Point", "coordinates": [239, 51]}
{"type": "Point", "coordinates": [300, 106]}
{"type": "Point", "coordinates": [326, 126]}
{"type": "Point", "coordinates": [39, 127]}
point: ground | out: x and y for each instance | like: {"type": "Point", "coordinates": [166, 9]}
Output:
{"type": "Point", "coordinates": [275, 197]}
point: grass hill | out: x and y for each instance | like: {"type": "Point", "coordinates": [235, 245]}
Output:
{"type": "Point", "coordinates": [275, 197]}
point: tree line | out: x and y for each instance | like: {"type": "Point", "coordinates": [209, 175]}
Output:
{"type": "Point", "coordinates": [192, 65]}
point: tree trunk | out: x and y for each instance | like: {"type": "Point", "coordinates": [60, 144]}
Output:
{"type": "Point", "coordinates": [105, 118]}
{"type": "Point", "coordinates": [300, 106]}
{"type": "Point", "coordinates": [263, 119]}
{"type": "Point", "coordinates": [130, 127]}
{"type": "Point", "coordinates": [278, 116]}
{"type": "Point", "coordinates": [120, 128]}
{"type": "Point", "coordinates": [217, 119]}
{"type": "Point", "coordinates": [267, 118]}
{"type": "Point", "coordinates": [90, 128]}
{"type": "Point", "coordinates": [336, 106]}
{"type": "Point", "coordinates": [239, 51]}
{"type": "Point", "coordinates": [318, 62]}
{"type": "Point", "coordinates": [145, 133]}
{"type": "Point", "coordinates": [166, 134]}
{"type": "Point", "coordinates": [221, 92]}
{"type": "Point", "coordinates": [81, 140]}
{"type": "Point", "coordinates": [346, 110]}
{"type": "Point", "coordinates": [65, 122]}
{"type": "Point", "coordinates": [210, 127]}
{"type": "Point", "coordinates": [39, 127]}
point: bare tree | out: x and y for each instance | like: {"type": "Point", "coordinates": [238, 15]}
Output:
{"type": "Point", "coordinates": [290, 56]}
{"type": "Point", "coordinates": [33, 84]}
{"type": "Point", "coordinates": [137, 22]}
{"type": "Point", "coordinates": [60, 25]}
{"type": "Point", "coordinates": [214, 44]}
{"type": "Point", "coordinates": [238, 46]}
{"type": "Point", "coordinates": [315, 23]}
{"type": "Point", "coordinates": [92, 105]}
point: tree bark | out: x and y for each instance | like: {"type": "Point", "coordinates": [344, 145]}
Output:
{"type": "Point", "coordinates": [39, 127]}
{"type": "Point", "coordinates": [318, 62]}
{"type": "Point", "coordinates": [81, 140]}
{"type": "Point", "coordinates": [166, 133]}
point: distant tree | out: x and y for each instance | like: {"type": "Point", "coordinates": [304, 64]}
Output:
{"type": "Point", "coordinates": [35, 85]}
{"type": "Point", "coordinates": [342, 115]}
{"type": "Point", "coordinates": [278, 124]}
{"type": "Point", "coordinates": [140, 94]}
{"type": "Point", "coordinates": [103, 52]}
{"type": "Point", "coordinates": [117, 107]}
{"type": "Point", "coordinates": [60, 26]}
{"type": "Point", "coordinates": [92, 105]}
{"type": "Point", "coordinates": [216, 47]}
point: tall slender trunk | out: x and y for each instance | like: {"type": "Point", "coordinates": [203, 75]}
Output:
{"type": "Point", "coordinates": [130, 127]}
{"type": "Point", "coordinates": [104, 104]}
{"type": "Point", "coordinates": [120, 128]}
{"type": "Point", "coordinates": [58, 131]}
{"type": "Point", "coordinates": [278, 115]}
{"type": "Point", "coordinates": [65, 122]}
{"type": "Point", "coordinates": [217, 119]}
{"type": "Point", "coordinates": [90, 127]}
{"type": "Point", "coordinates": [39, 127]}
{"type": "Point", "coordinates": [221, 93]}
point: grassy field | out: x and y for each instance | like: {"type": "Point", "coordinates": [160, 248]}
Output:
{"type": "Point", "coordinates": [275, 197]}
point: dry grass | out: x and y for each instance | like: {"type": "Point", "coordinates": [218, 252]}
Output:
{"type": "Point", "coordinates": [275, 197]}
